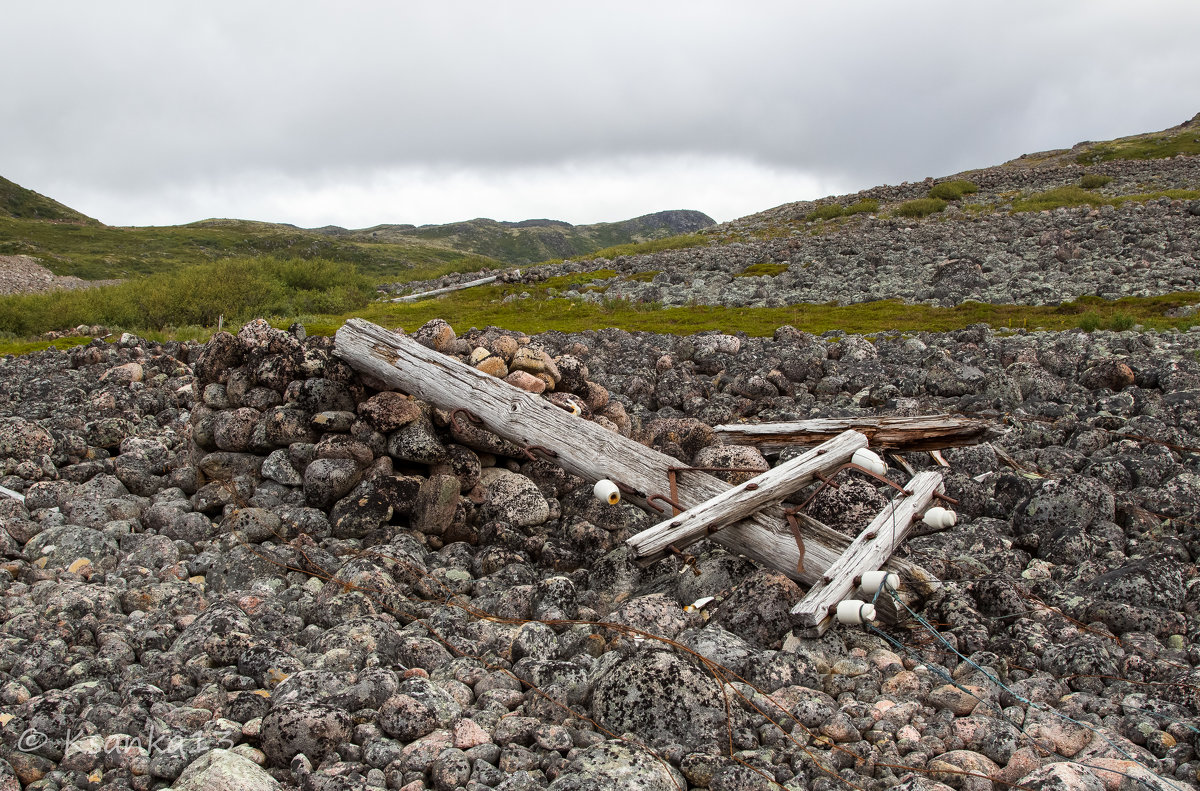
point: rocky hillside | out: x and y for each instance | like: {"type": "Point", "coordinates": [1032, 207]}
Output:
{"type": "Point", "coordinates": [531, 241]}
{"type": "Point", "coordinates": [1112, 219]}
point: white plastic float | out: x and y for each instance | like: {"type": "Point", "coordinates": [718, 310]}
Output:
{"type": "Point", "coordinates": [607, 492]}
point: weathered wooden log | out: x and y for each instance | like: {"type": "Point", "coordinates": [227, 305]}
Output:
{"type": "Point", "coordinates": [926, 432]}
{"type": "Point", "coordinates": [582, 447]}
{"type": "Point", "coordinates": [869, 551]}
{"type": "Point", "coordinates": [745, 499]}
{"type": "Point", "coordinates": [483, 281]}
{"type": "Point", "coordinates": [10, 493]}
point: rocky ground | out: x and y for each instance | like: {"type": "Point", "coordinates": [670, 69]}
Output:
{"type": "Point", "coordinates": [22, 274]}
{"type": "Point", "coordinates": [237, 565]}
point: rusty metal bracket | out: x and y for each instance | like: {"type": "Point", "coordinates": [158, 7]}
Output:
{"type": "Point", "coordinates": [471, 416]}
{"type": "Point", "coordinates": [673, 481]}
{"type": "Point", "coordinates": [794, 526]}
{"type": "Point", "coordinates": [650, 498]}
{"type": "Point", "coordinates": [685, 558]}
{"type": "Point", "coordinates": [627, 489]}
{"type": "Point", "coordinates": [547, 452]}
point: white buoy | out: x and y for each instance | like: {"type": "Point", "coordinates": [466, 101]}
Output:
{"type": "Point", "coordinates": [853, 611]}
{"type": "Point", "coordinates": [938, 517]}
{"type": "Point", "coordinates": [607, 492]}
{"type": "Point", "coordinates": [872, 581]}
{"type": "Point", "coordinates": [869, 460]}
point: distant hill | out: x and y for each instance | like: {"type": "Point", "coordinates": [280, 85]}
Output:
{"type": "Point", "coordinates": [69, 243]}
{"type": "Point", "coordinates": [531, 241]}
{"type": "Point", "coordinates": [16, 201]}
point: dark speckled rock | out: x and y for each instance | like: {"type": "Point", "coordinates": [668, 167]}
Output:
{"type": "Point", "coordinates": [661, 698]}
{"type": "Point", "coordinates": [1155, 581]}
{"type": "Point", "coordinates": [1074, 500]}
{"type": "Point", "coordinates": [389, 411]}
{"type": "Point", "coordinates": [327, 480]}
{"type": "Point", "coordinates": [758, 609]}
{"type": "Point", "coordinates": [311, 729]}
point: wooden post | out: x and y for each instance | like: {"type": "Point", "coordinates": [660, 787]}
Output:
{"type": "Point", "coordinates": [926, 432]}
{"type": "Point", "coordinates": [868, 553]}
{"type": "Point", "coordinates": [745, 499]}
{"type": "Point", "coordinates": [582, 447]}
{"type": "Point", "coordinates": [434, 292]}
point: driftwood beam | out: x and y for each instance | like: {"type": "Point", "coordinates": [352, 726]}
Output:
{"type": "Point", "coordinates": [925, 432]}
{"type": "Point", "coordinates": [868, 552]}
{"type": "Point", "coordinates": [582, 447]}
{"type": "Point", "coordinates": [745, 499]}
{"type": "Point", "coordinates": [483, 281]}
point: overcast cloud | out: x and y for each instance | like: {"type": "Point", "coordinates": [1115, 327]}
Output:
{"type": "Point", "coordinates": [358, 113]}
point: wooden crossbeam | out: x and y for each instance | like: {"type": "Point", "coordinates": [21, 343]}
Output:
{"type": "Point", "coordinates": [868, 552]}
{"type": "Point", "coordinates": [743, 500]}
{"type": "Point", "coordinates": [924, 432]}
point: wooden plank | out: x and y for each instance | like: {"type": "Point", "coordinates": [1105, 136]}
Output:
{"type": "Point", "coordinates": [743, 500]}
{"type": "Point", "coordinates": [583, 447]}
{"type": "Point", "coordinates": [924, 432]}
{"type": "Point", "coordinates": [483, 281]}
{"type": "Point", "coordinates": [868, 552]}
{"type": "Point", "coordinates": [10, 493]}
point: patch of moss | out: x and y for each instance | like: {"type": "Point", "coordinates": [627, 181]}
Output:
{"type": "Point", "coordinates": [1067, 197]}
{"type": "Point", "coordinates": [484, 306]}
{"type": "Point", "coordinates": [763, 269]}
{"type": "Point", "coordinates": [679, 242]}
{"type": "Point", "coordinates": [921, 207]}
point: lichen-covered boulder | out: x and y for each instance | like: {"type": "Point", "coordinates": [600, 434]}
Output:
{"type": "Point", "coordinates": [617, 766]}
{"type": "Point", "coordinates": [311, 729]}
{"type": "Point", "coordinates": [23, 439]}
{"type": "Point", "coordinates": [513, 498]}
{"type": "Point", "coordinates": [660, 697]}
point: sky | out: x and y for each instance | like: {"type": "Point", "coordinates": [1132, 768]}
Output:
{"type": "Point", "coordinates": [360, 112]}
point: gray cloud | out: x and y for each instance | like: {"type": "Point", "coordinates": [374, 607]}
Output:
{"type": "Point", "coordinates": [148, 111]}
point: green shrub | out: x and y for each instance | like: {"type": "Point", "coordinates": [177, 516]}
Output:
{"type": "Point", "coordinates": [1090, 321]}
{"type": "Point", "coordinates": [1121, 322]}
{"type": "Point", "coordinates": [953, 190]}
{"type": "Point", "coordinates": [1091, 181]}
{"type": "Point", "coordinates": [830, 211]}
{"type": "Point", "coordinates": [237, 288]}
{"type": "Point", "coordinates": [1059, 198]}
{"type": "Point", "coordinates": [921, 207]}
{"type": "Point", "coordinates": [864, 206]}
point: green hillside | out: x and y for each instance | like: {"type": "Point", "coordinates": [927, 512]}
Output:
{"type": "Point", "coordinates": [531, 241]}
{"type": "Point", "coordinates": [16, 201]}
